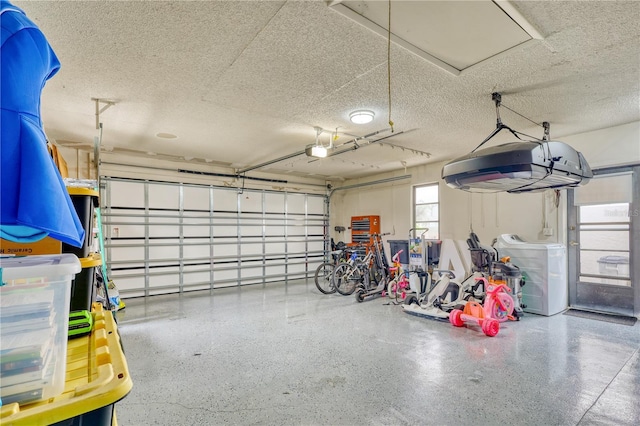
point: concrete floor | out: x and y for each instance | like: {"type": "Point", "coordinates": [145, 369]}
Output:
{"type": "Point", "coordinates": [289, 355]}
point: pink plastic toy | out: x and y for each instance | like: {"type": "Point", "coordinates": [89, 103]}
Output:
{"type": "Point", "coordinates": [399, 286]}
{"type": "Point", "coordinates": [498, 307]}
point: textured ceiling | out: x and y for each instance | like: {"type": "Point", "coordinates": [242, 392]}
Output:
{"type": "Point", "coordinates": [241, 83]}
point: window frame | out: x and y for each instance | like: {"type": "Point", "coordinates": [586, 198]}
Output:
{"type": "Point", "coordinates": [415, 206]}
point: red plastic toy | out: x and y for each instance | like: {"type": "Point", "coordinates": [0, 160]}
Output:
{"type": "Point", "coordinates": [399, 285]}
{"type": "Point", "coordinates": [498, 307]}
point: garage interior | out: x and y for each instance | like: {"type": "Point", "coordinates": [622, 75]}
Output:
{"type": "Point", "coordinates": [225, 143]}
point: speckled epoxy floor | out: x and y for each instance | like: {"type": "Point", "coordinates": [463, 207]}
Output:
{"type": "Point", "coordinates": [288, 355]}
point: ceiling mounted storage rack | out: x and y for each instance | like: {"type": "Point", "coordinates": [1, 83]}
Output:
{"type": "Point", "coordinates": [528, 165]}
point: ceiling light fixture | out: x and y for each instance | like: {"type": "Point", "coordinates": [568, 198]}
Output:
{"type": "Point", "coordinates": [317, 151]}
{"type": "Point", "coordinates": [362, 116]}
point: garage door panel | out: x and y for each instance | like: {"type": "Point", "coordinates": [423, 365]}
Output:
{"type": "Point", "coordinates": [164, 196]}
{"type": "Point", "coordinates": [119, 254]}
{"type": "Point", "coordinates": [211, 232]}
{"type": "Point", "coordinates": [197, 278]}
{"type": "Point", "coordinates": [196, 249]}
{"type": "Point", "coordinates": [196, 198]}
{"type": "Point", "coordinates": [225, 200]}
{"type": "Point", "coordinates": [126, 194]}
{"type": "Point", "coordinates": [168, 251]}
{"type": "Point", "coordinates": [274, 203]}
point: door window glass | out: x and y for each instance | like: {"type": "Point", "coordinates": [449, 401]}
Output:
{"type": "Point", "coordinates": [604, 244]}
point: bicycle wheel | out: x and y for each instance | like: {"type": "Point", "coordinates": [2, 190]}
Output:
{"type": "Point", "coordinates": [377, 274]}
{"type": "Point", "coordinates": [501, 313]}
{"type": "Point", "coordinates": [324, 278]}
{"type": "Point", "coordinates": [346, 278]}
{"type": "Point", "coordinates": [392, 287]}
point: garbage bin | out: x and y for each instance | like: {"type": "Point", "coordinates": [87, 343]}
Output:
{"type": "Point", "coordinates": [396, 246]}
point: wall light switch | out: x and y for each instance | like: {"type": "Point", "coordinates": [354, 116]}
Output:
{"type": "Point", "coordinates": [548, 232]}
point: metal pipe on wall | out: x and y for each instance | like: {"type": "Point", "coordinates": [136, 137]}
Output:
{"type": "Point", "coordinates": [225, 175]}
{"type": "Point", "coordinates": [375, 182]}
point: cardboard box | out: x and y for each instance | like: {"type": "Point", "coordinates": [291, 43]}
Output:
{"type": "Point", "coordinates": [59, 161]}
{"type": "Point", "coordinates": [46, 245]}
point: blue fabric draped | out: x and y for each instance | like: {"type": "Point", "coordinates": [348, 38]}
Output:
{"type": "Point", "coordinates": [34, 202]}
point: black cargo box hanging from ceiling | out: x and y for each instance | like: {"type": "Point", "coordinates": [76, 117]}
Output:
{"type": "Point", "coordinates": [525, 166]}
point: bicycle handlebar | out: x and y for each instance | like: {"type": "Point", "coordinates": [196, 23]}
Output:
{"type": "Point", "coordinates": [448, 271]}
{"type": "Point", "coordinates": [396, 257]}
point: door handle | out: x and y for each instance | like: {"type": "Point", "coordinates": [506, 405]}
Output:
{"type": "Point", "coordinates": [573, 243]}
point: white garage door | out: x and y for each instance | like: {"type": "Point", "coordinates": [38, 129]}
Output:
{"type": "Point", "coordinates": [170, 237]}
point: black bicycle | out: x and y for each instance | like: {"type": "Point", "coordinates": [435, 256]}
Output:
{"type": "Point", "coordinates": [324, 272]}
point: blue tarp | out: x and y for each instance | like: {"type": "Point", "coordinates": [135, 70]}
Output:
{"type": "Point", "coordinates": [34, 202]}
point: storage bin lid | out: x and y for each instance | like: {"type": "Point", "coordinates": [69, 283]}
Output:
{"type": "Point", "coordinates": [94, 259]}
{"type": "Point", "coordinates": [73, 190]}
{"type": "Point", "coordinates": [614, 260]}
{"type": "Point", "coordinates": [14, 268]}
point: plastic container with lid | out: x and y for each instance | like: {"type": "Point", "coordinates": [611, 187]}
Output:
{"type": "Point", "coordinates": [614, 265]}
{"type": "Point", "coordinates": [34, 317]}
{"type": "Point", "coordinates": [97, 377]}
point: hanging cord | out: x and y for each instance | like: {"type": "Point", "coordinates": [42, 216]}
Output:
{"type": "Point", "coordinates": [526, 118]}
{"type": "Point", "coordinates": [497, 98]}
{"type": "Point", "coordinates": [389, 65]}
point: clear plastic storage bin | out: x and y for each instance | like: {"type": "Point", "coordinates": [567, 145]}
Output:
{"type": "Point", "coordinates": [34, 317]}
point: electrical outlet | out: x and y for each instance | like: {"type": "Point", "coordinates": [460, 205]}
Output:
{"type": "Point", "coordinates": [548, 232]}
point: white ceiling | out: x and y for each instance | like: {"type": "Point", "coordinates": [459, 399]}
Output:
{"type": "Point", "coordinates": [241, 83]}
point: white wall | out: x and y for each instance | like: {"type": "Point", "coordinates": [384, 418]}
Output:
{"type": "Point", "coordinates": [488, 214]}
{"type": "Point", "coordinates": [609, 147]}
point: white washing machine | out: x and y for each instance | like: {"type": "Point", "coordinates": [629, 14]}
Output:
{"type": "Point", "coordinates": [544, 266]}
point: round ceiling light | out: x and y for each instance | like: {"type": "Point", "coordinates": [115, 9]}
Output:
{"type": "Point", "coordinates": [362, 116]}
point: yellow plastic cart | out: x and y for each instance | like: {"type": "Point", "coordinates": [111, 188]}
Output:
{"type": "Point", "coordinates": [96, 378]}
